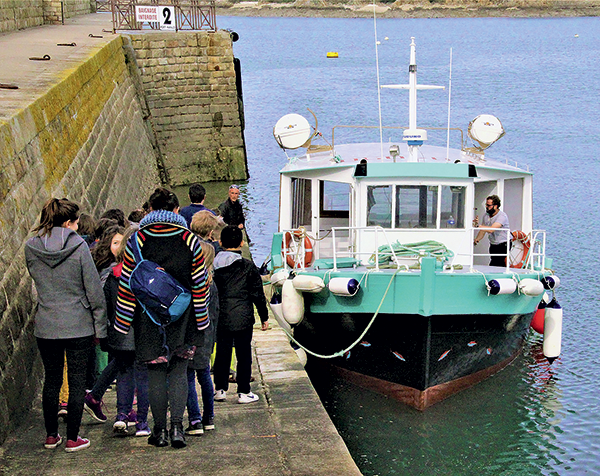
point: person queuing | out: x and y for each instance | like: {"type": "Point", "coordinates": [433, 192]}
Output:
{"type": "Point", "coordinates": [240, 288]}
{"type": "Point", "coordinates": [197, 195]}
{"type": "Point", "coordinates": [71, 311]}
{"type": "Point", "coordinates": [165, 239]}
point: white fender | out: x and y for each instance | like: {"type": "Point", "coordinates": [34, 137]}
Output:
{"type": "Point", "coordinates": [551, 282]}
{"type": "Point", "coordinates": [502, 286]}
{"type": "Point", "coordinates": [301, 353]}
{"type": "Point", "coordinates": [343, 286]}
{"type": "Point", "coordinates": [279, 277]}
{"type": "Point", "coordinates": [308, 284]}
{"type": "Point", "coordinates": [552, 330]}
{"type": "Point", "coordinates": [277, 308]}
{"type": "Point", "coordinates": [292, 303]}
{"type": "Point", "coordinates": [531, 287]}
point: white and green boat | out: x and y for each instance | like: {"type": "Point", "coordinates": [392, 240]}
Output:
{"type": "Point", "coordinates": [375, 265]}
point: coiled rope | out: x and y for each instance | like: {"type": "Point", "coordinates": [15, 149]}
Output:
{"type": "Point", "coordinates": [435, 249]}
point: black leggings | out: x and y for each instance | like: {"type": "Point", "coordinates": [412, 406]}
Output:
{"type": "Point", "coordinates": [53, 357]}
{"type": "Point", "coordinates": [168, 387]}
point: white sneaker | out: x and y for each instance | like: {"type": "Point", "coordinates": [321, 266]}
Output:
{"type": "Point", "coordinates": [247, 397]}
{"type": "Point", "coordinates": [220, 396]}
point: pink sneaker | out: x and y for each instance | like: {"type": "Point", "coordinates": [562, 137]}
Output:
{"type": "Point", "coordinates": [80, 444]}
{"type": "Point", "coordinates": [53, 441]}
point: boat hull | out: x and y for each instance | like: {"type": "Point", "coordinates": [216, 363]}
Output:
{"type": "Point", "coordinates": [419, 360]}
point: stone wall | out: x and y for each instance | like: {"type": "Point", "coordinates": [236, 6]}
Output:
{"type": "Point", "coordinates": [85, 139]}
{"type": "Point", "coordinates": [190, 83]}
{"type": "Point", "coordinates": [19, 15]}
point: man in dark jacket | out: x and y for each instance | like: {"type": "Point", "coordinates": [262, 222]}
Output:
{"type": "Point", "coordinates": [240, 289]}
{"type": "Point", "coordinates": [231, 209]}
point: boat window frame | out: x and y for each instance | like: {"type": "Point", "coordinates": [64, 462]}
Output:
{"type": "Point", "coordinates": [333, 213]}
{"type": "Point", "coordinates": [438, 219]}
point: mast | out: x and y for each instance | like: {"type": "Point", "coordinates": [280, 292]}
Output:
{"type": "Point", "coordinates": [413, 135]}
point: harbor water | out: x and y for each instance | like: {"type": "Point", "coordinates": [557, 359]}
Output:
{"type": "Point", "coordinates": [540, 77]}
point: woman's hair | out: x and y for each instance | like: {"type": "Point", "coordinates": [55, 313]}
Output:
{"type": "Point", "coordinates": [116, 214]}
{"type": "Point", "coordinates": [203, 222]}
{"type": "Point", "coordinates": [102, 225]}
{"type": "Point", "coordinates": [101, 253]}
{"type": "Point", "coordinates": [208, 251]}
{"type": "Point", "coordinates": [136, 215]}
{"type": "Point", "coordinates": [130, 231]}
{"type": "Point", "coordinates": [216, 236]}
{"type": "Point", "coordinates": [163, 199]}
{"type": "Point", "coordinates": [56, 212]}
{"type": "Point", "coordinates": [87, 225]}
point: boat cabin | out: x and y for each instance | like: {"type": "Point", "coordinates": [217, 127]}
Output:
{"type": "Point", "coordinates": [351, 201]}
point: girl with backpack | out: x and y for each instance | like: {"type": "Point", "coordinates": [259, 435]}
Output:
{"type": "Point", "coordinates": [70, 313]}
{"type": "Point", "coordinates": [165, 240]}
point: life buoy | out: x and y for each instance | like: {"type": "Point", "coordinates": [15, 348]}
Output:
{"type": "Point", "coordinates": [520, 249]}
{"type": "Point", "coordinates": [302, 255]}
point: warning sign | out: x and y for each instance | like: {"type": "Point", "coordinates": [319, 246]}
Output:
{"type": "Point", "coordinates": [146, 13]}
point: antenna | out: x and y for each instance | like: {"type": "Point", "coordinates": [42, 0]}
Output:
{"type": "Point", "coordinates": [378, 84]}
{"type": "Point", "coordinates": [449, 102]}
{"type": "Point", "coordinates": [412, 135]}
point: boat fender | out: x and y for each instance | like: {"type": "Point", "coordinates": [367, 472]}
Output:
{"type": "Point", "coordinates": [537, 323]}
{"type": "Point", "coordinates": [301, 353]}
{"type": "Point", "coordinates": [551, 282]}
{"type": "Point", "coordinates": [277, 307]}
{"type": "Point", "coordinates": [308, 284]}
{"type": "Point", "coordinates": [343, 286]}
{"type": "Point", "coordinates": [292, 303]}
{"type": "Point", "coordinates": [279, 277]}
{"type": "Point", "coordinates": [531, 287]}
{"type": "Point", "coordinates": [552, 330]}
{"type": "Point", "coordinates": [502, 286]}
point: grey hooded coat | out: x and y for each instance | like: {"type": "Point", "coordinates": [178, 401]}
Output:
{"type": "Point", "coordinates": [71, 302]}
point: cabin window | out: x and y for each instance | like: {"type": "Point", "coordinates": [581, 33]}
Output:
{"type": "Point", "coordinates": [452, 213]}
{"type": "Point", "coordinates": [379, 206]}
{"type": "Point", "coordinates": [335, 200]}
{"type": "Point", "coordinates": [416, 206]}
{"type": "Point", "coordinates": [301, 202]}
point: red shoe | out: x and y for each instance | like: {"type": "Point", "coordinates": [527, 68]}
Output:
{"type": "Point", "coordinates": [80, 444]}
{"type": "Point", "coordinates": [53, 441]}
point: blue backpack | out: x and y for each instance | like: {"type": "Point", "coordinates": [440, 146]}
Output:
{"type": "Point", "coordinates": [162, 298]}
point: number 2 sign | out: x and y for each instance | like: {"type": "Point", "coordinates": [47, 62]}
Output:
{"type": "Point", "coordinates": [167, 18]}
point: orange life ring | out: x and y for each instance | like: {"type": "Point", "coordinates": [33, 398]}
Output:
{"type": "Point", "coordinates": [520, 249]}
{"type": "Point", "coordinates": [306, 257]}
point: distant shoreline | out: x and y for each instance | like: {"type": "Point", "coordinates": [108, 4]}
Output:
{"type": "Point", "coordinates": [260, 9]}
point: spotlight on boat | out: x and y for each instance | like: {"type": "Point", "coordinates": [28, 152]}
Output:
{"type": "Point", "coordinates": [484, 130]}
{"type": "Point", "coordinates": [394, 151]}
{"type": "Point", "coordinates": [292, 131]}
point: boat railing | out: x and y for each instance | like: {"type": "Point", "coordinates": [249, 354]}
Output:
{"type": "Point", "coordinates": [535, 254]}
{"type": "Point", "coordinates": [462, 139]}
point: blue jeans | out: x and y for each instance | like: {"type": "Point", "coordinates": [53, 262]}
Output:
{"type": "Point", "coordinates": [131, 376]}
{"type": "Point", "coordinates": [208, 395]}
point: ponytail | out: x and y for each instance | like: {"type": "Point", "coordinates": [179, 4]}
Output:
{"type": "Point", "coordinates": [55, 213]}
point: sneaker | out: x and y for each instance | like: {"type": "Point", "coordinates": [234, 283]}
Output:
{"type": "Point", "coordinates": [121, 422]}
{"type": "Point", "coordinates": [53, 441]}
{"type": "Point", "coordinates": [195, 428]}
{"type": "Point", "coordinates": [80, 444]}
{"type": "Point", "coordinates": [208, 423]}
{"type": "Point", "coordinates": [132, 418]}
{"type": "Point", "coordinates": [142, 429]}
{"type": "Point", "coordinates": [220, 396]}
{"type": "Point", "coordinates": [94, 408]}
{"type": "Point", "coordinates": [62, 410]}
{"type": "Point", "coordinates": [247, 397]}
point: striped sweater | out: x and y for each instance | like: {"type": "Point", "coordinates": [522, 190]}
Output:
{"type": "Point", "coordinates": [162, 224]}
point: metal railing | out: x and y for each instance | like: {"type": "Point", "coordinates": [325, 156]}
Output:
{"type": "Point", "coordinates": [103, 5]}
{"type": "Point", "coordinates": [534, 259]}
{"type": "Point", "coordinates": [188, 14]}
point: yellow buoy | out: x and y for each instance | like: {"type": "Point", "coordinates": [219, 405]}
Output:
{"type": "Point", "coordinates": [332, 54]}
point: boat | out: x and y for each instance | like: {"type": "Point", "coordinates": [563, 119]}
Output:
{"type": "Point", "coordinates": [375, 268]}
{"type": "Point", "coordinates": [332, 54]}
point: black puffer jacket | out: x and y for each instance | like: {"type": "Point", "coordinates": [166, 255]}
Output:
{"type": "Point", "coordinates": [240, 289]}
{"type": "Point", "coordinates": [232, 212]}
